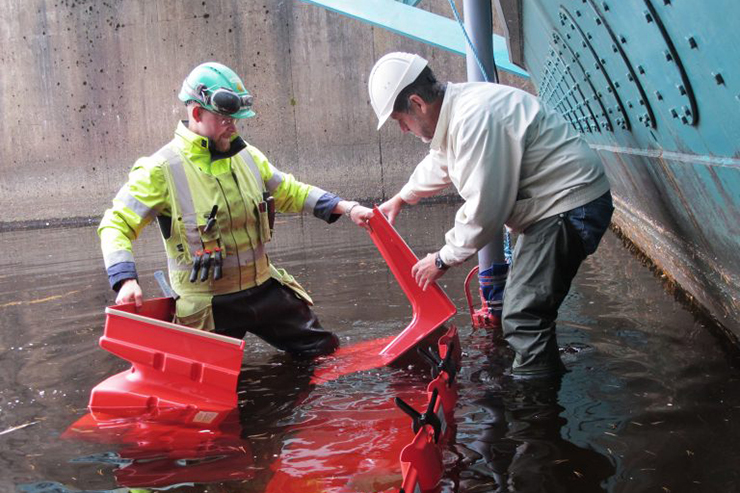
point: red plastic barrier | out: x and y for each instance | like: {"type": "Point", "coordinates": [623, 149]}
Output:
{"type": "Point", "coordinates": [430, 309]}
{"type": "Point", "coordinates": [451, 338]}
{"type": "Point", "coordinates": [352, 444]}
{"type": "Point", "coordinates": [344, 442]}
{"type": "Point", "coordinates": [444, 383]}
{"type": "Point", "coordinates": [421, 463]}
{"type": "Point", "coordinates": [176, 371]}
{"type": "Point", "coordinates": [348, 443]}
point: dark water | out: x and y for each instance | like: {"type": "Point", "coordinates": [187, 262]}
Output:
{"type": "Point", "coordinates": [651, 402]}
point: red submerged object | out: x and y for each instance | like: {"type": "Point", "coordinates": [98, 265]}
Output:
{"type": "Point", "coordinates": [156, 453]}
{"type": "Point", "coordinates": [352, 443]}
{"type": "Point", "coordinates": [177, 372]}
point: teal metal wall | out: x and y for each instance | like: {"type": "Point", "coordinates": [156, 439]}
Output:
{"type": "Point", "coordinates": [655, 87]}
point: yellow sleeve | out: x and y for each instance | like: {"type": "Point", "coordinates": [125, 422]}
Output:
{"type": "Point", "coordinates": [137, 203]}
{"type": "Point", "coordinates": [290, 194]}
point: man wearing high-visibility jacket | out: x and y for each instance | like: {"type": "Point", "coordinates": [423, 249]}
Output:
{"type": "Point", "coordinates": [214, 197]}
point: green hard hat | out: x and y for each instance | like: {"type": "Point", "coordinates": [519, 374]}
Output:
{"type": "Point", "coordinates": [217, 88]}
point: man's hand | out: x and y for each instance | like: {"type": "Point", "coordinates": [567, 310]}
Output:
{"type": "Point", "coordinates": [391, 207]}
{"type": "Point", "coordinates": [357, 213]}
{"type": "Point", "coordinates": [426, 272]}
{"type": "Point", "coordinates": [360, 216]}
{"type": "Point", "coordinates": [130, 291]}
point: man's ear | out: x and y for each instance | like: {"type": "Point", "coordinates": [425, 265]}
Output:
{"type": "Point", "coordinates": [417, 103]}
{"type": "Point", "coordinates": [197, 113]}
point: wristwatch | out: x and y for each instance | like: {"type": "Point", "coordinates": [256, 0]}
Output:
{"type": "Point", "coordinates": [439, 263]}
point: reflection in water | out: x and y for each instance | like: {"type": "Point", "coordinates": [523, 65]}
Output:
{"type": "Point", "coordinates": [521, 442]}
{"type": "Point", "coordinates": [514, 437]}
{"type": "Point", "coordinates": [54, 487]}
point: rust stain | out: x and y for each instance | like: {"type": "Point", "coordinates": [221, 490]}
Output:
{"type": "Point", "coordinates": [671, 178]}
{"type": "Point", "coordinates": [681, 295]}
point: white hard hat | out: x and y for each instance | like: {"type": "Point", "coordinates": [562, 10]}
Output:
{"type": "Point", "coordinates": [390, 75]}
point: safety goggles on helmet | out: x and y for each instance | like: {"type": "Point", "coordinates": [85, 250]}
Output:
{"type": "Point", "coordinates": [217, 88]}
{"type": "Point", "coordinates": [224, 101]}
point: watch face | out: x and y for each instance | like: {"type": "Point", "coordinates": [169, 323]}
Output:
{"type": "Point", "coordinates": [438, 262]}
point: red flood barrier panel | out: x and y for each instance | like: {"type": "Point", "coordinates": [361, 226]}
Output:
{"type": "Point", "coordinates": [430, 309]}
{"type": "Point", "coordinates": [352, 443]}
{"type": "Point", "coordinates": [187, 374]}
{"type": "Point", "coordinates": [348, 443]}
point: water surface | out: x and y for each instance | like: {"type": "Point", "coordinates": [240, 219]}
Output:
{"type": "Point", "coordinates": [651, 401]}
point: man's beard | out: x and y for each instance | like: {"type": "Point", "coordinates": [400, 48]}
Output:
{"type": "Point", "coordinates": [223, 145]}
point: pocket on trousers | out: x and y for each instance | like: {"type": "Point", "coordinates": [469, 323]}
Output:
{"type": "Point", "coordinates": [591, 221]}
{"type": "Point", "coordinates": [201, 319]}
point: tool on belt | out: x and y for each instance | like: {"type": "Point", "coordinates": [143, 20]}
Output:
{"type": "Point", "coordinates": [211, 221]}
{"type": "Point", "coordinates": [206, 258]}
{"type": "Point", "coordinates": [268, 203]}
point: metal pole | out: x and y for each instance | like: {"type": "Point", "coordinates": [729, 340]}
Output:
{"type": "Point", "coordinates": [479, 24]}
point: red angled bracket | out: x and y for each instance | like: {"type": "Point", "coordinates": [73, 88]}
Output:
{"type": "Point", "coordinates": [431, 308]}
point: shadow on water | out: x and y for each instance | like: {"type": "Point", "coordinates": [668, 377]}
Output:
{"type": "Point", "coordinates": [650, 402]}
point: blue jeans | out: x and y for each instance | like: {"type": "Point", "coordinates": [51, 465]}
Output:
{"type": "Point", "coordinates": [546, 259]}
{"type": "Point", "coordinates": [590, 221]}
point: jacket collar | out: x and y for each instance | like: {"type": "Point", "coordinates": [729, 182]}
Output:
{"type": "Point", "coordinates": [443, 122]}
{"type": "Point", "coordinates": [200, 150]}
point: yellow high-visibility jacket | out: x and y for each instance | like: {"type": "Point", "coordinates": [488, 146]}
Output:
{"type": "Point", "coordinates": [180, 185]}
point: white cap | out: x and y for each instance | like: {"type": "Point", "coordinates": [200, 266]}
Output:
{"type": "Point", "coordinates": [390, 75]}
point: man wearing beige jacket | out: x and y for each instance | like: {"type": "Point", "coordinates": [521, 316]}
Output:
{"type": "Point", "coordinates": [516, 163]}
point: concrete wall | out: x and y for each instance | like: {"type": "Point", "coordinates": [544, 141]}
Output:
{"type": "Point", "coordinates": [86, 87]}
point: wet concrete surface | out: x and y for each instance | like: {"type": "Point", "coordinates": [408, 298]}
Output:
{"type": "Point", "coordinates": [651, 401]}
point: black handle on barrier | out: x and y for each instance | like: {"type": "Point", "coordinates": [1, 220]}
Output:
{"type": "Point", "coordinates": [439, 364]}
{"type": "Point", "coordinates": [420, 420]}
